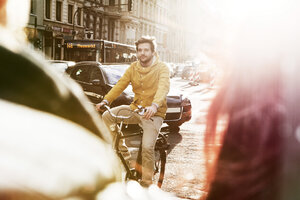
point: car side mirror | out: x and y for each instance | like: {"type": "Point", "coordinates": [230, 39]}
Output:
{"type": "Point", "coordinates": [96, 82]}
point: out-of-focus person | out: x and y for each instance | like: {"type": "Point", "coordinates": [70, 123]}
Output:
{"type": "Point", "coordinates": [248, 164]}
{"type": "Point", "coordinates": [47, 157]}
{"type": "Point", "coordinates": [252, 143]}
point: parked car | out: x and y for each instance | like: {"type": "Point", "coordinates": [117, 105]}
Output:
{"type": "Point", "coordinates": [62, 66]}
{"type": "Point", "coordinates": [186, 72]}
{"type": "Point", "coordinates": [206, 74]}
{"type": "Point", "coordinates": [178, 70]}
{"type": "Point", "coordinates": [202, 74]}
{"type": "Point", "coordinates": [96, 81]}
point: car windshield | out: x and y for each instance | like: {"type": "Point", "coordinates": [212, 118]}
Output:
{"type": "Point", "coordinates": [114, 72]}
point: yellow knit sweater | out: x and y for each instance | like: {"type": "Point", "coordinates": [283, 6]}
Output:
{"type": "Point", "coordinates": [149, 84]}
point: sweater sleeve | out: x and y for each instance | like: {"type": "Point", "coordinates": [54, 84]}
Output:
{"type": "Point", "coordinates": [163, 86]}
{"type": "Point", "coordinates": [119, 87]}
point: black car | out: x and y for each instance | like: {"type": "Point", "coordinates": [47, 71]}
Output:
{"type": "Point", "coordinates": [96, 81]}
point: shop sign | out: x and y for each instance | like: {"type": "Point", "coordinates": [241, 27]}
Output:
{"type": "Point", "coordinates": [55, 28]}
{"type": "Point", "coordinates": [66, 30]}
{"type": "Point", "coordinates": [71, 45]}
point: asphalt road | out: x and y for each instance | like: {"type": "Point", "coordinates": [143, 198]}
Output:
{"type": "Point", "coordinates": [185, 173]}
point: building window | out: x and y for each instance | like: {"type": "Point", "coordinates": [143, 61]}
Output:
{"type": "Point", "coordinates": [48, 8]}
{"type": "Point", "coordinates": [88, 21]}
{"type": "Point", "coordinates": [58, 10]}
{"type": "Point", "coordinates": [79, 16]}
{"type": "Point", "coordinates": [95, 25]}
{"type": "Point", "coordinates": [100, 28]}
{"type": "Point", "coordinates": [100, 2]}
{"type": "Point", "coordinates": [70, 14]}
{"type": "Point", "coordinates": [111, 29]}
{"type": "Point", "coordinates": [111, 2]}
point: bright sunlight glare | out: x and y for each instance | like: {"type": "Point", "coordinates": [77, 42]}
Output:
{"type": "Point", "coordinates": [17, 12]}
{"type": "Point", "coordinates": [220, 27]}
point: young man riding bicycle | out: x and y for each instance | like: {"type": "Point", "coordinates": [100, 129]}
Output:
{"type": "Point", "coordinates": [150, 82]}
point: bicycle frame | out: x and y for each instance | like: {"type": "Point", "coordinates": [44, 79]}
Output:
{"type": "Point", "coordinates": [119, 137]}
{"type": "Point", "coordinates": [160, 147]}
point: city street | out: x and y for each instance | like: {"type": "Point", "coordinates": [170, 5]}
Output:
{"type": "Point", "coordinates": [82, 80]}
{"type": "Point", "coordinates": [185, 171]}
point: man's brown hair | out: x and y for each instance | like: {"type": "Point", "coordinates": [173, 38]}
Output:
{"type": "Point", "coordinates": [147, 39]}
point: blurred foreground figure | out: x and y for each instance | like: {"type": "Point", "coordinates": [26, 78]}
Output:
{"type": "Point", "coordinates": [252, 138]}
{"type": "Point", "coordinates": [46, 157]}
{"type": "Point", "coordinates": [249, 161]}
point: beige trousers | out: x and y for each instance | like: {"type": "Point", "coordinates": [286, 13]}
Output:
{"type": "Point", "coordinates": [151, 129]}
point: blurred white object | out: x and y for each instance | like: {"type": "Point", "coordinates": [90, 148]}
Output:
{"type": "Point", "coordinates": [50, 156]}
{"type": "Point", "coordinates": [133, 191]}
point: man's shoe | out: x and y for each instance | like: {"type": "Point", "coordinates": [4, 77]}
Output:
{"type": "Point", "coordinates": [122, 146]}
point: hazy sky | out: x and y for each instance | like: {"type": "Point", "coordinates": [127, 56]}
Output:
{"type": "Point", "coordinates": [217, 25]}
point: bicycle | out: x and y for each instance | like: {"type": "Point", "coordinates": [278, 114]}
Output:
{"type": "Point", "coordinates": [161, 148]}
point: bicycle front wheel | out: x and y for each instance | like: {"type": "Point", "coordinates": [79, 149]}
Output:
{"type": "Point", "coordinates": [159, 167]}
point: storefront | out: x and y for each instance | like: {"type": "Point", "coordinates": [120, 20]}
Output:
{"type": "Point", "coordinates": [54, 40]}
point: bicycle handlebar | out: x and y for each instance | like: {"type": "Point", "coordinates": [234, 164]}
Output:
{"type": "Point", "coordinates": [140, 111]}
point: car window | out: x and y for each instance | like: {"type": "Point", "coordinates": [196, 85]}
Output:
{"type": "Point", "coordinates": [81, 73]}
{"type": "Point", "coordinates": [95, 74]}
{"type": "Point", "coordinates": [113, 73]}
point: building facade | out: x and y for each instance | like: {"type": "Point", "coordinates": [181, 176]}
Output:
{"type": "Point", "coordinates": [163, 19]}
{"type": "Point", "coordinates": [124, 21]}
{"type": "Point", "coordinates": [102, 19]}
{"type": "Point", "coordinates": [35, 28]}
{"type": "Point", "coordinates": [62, 20]}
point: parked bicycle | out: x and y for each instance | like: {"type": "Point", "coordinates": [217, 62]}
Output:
{"type": "Point", "coordinates": [161, 148]}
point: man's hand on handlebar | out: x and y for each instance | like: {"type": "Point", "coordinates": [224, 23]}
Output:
{"type": "Point", "coordinates": [99, 106]}
{"type": "Point", "coordinates": [150, 112]}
